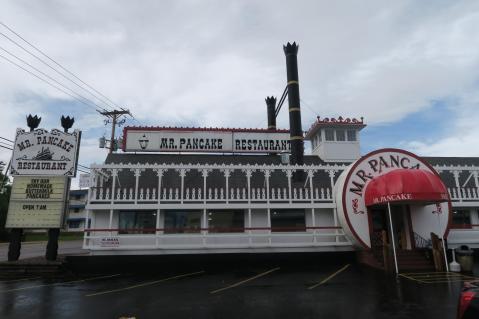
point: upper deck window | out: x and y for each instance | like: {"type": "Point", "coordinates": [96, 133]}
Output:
{"type": "Point", "coordinates": [329, 134]}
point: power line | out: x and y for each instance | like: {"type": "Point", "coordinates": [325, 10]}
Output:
{"type": "Point", "coordinates": [49, 77]}
{"type": "Point", "coordinates": [58, 64]}
{"type": "Point", "coordinates": [8, 148]}
{"type": "Point", "coordinates": [6, 139]}
{"type": "Point", "coordinates": [45, 63]}
{"type": "Point", "coordinates": [53, 85]}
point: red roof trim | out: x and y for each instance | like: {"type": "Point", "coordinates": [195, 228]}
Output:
{"type": "Point", "coordinates": [333, 121]}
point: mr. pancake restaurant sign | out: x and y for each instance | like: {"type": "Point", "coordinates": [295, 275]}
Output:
{"type": "Point", "coordinates": [41, 152]}
{"type": "Point", "coordinates": [139, 139]}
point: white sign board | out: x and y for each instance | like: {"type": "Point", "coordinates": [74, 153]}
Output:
{"type": "Point", "coordinates": [205, 140]}
{"type": "Point", "coordinates": [37, 202]}
{"type": "Point", "coordinates": [45, 153]}
{"type": "Point", "coordinates": [84, 181]}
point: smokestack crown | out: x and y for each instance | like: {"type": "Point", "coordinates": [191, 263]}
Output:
{"type": "Point", "coordinates": [290, 48]}
{"type": "Point", "coordinates": [270, 100]}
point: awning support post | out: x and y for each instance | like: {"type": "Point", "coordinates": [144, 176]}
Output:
{"type": "Point", "coordinates": [392, 238]}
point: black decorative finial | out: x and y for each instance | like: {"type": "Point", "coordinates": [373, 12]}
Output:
{"type": "Point", "coordinates": [290, 48]}
{"type": "Point", "coordinates": [270, 100]}
{"type": "Point", "coordinates": [33, 121]}
{"type": "Point", "coordinates": [67, 123]}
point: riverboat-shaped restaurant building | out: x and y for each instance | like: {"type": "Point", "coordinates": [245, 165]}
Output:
{"type": "Point", "coordinates": [220, 190]}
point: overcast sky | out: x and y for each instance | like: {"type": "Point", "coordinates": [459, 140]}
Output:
{"type": "Point", "coordinates": [410, 68]}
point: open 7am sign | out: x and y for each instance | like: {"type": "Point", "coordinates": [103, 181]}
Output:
{"type": "Point", "coordinates": [44, 153]}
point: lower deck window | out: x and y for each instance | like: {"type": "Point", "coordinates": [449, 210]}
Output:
{"type": "Point", "coordinates": [288, 220]}
{"type": "Point", "coordinates": [461, 218]}
{"type": "Point", "coordinates": [133, 222]}
{"type": "Point", "coordinates": [225, 221]}
{"type": "Point", "coordinates": [182, 221]}
{"type": "Point", "coordinates": [74, 224]}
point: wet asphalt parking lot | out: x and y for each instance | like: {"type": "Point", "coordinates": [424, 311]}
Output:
{"type": "Point", "coordinates": [275, 289]}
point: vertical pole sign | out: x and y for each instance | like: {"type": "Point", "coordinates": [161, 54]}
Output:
{"type": "Point", "coordinates": [43, 164]}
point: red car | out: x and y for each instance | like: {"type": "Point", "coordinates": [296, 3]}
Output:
{"type": "Point", "coordinates": [469, 301]}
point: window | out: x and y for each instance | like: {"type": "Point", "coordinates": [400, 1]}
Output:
{"type": "Point", "coordinates": [182, 221]}
{"type": "Point", "coordinates": [461, 218]}
{"type": "Point", "coordinates": [319, 136]}
{"type": "Point", "coordinates": [131, 222]}
{"type": "Point", "coordinates": [289, 220]}
{"type": "Point", "coordinates": [76, 210]}
{"type": "Point", "coordinates": [225, 221]}
{"type": "Point", "coordinates": [352, 135]}
{"type": "Point", "coordinates": [74, 224]}
{"type": "Point", "coordinates": [329, 134]}
{"type": "Point", "coordinates": [340, 135]}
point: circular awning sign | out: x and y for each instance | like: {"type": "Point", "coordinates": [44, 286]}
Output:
{"type": "Point", "coordinates": [382, 176]}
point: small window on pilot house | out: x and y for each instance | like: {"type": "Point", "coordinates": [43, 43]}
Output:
{"type": "Point", "coordinates": [352, 135]}
{"type": "Point", "coordinates": [329, 134]}
{"type": "Point", "coordinates": [340, 135]}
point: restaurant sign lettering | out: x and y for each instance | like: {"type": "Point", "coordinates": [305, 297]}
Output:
{"type": "Point", "coordinates": [41, 152]}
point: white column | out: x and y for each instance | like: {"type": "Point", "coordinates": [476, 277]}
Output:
{"type": "Point", "coordinates": [269, 225]}
{"type": "Point", "coordinates": [204, 232]}
{"type": "Point", "coordinates": [289, 174]}
{"type": "Point", "coordinates": [157, 232]}
{"type": "Point", "coordinates": [227, 174]}
{"type": "Point", "coordinates": [204, 173]}
{"type": "Point", "coordinates": [159, 173]}
{"type": "Point", "coordinates": [392, 238]}
{"type": "Point", "coordinates": [183, 172]}
{"type": "Point", "coordinates": [458, 185]}
{"type": "Point", "coordinates": [85, 233]}
{"type": "Point", "coordinates": [331, 174]}
{"type": "Point", "coordinates": [250, 239]}
{"type": "Point", "coordinates": [137, 173]}
{"type": "Point", "coordinates": [111, 221]}
{"type": "Point", "coordinates": [114, 174]}
{"type": "Point", "coordinates": [313, 213]}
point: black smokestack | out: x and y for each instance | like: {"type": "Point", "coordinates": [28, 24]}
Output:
{"type": "Point", "coordinates": [295, 128]}
{"type": "Point", "coordinates": [271, 107]}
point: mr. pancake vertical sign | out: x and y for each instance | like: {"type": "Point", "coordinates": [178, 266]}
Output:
{"type": "Point", "coordinates": [351, 185]}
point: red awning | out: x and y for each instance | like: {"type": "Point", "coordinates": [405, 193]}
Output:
{"type": "Point", "coordinates": [406, 185]}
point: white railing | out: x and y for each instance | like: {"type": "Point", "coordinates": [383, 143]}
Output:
{"type": "Point", "coordinates": [464, 193]}
{"type": "Point", "coordinates": [108, 189]}
{"type": "Point", "coordinates": [215, 241]}
{"type": "Point", "coordinates": [466, 181]}
{"type": "Point", "coordinates": [101, 194]}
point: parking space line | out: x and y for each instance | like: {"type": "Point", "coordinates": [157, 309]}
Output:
{"type": "Point", "coordinates": [245, 281]}
{"type": "Point", "coordinates": [149, 283]}
{"type": "Point", "coordinates": [412, 278]}
{"type": "Point", "coordinates": [329, 277]}
{"type": "Point", "coordinates": [61, 283]}
{"type": "Point", "coordinates": [22, 279]}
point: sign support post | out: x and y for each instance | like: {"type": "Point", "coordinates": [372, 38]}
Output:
{"type": "Point", "coordinates": [15, 244]}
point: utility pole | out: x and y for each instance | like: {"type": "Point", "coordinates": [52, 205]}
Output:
{"type": "Point", "coordinates": [114, 115]}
